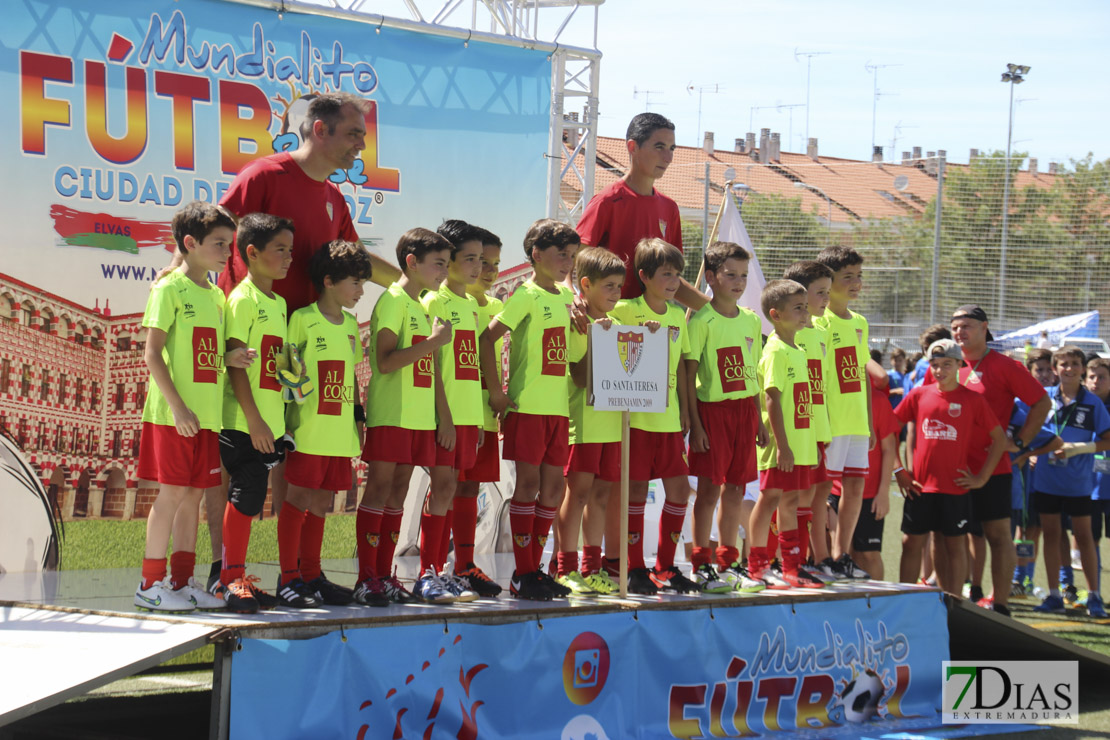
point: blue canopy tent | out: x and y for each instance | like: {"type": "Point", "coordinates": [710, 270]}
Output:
{"type": "Point", "coordinates": [1077, 325]}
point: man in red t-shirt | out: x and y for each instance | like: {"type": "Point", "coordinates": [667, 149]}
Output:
{"type": "Point", "coordinates": [632, 209]}
{"type": "Point", "coordinates": [950, 424]}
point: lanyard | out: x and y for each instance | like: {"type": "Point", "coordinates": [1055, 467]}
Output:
{"type": "Point", "coordinates": [974, 369]}
{"type": "Point", "coordinates": [1056, 413]}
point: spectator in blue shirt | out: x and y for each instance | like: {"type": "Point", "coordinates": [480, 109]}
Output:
{"type": "Point", "coordinates": [1098, 383]}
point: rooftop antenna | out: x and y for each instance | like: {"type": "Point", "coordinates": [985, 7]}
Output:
{"type": "Point", "coordinates": [874, 70]}
{"type": "Point", "coordinates": [701, 90]}
{"type": "Point", "coordinates": [809, 66]}
{"type": "Point", "coordinates": [898, 129]}
{"type": "Point", "coordinates": [646, 94]}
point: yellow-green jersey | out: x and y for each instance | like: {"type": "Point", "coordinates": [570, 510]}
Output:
{"type": "Point", "coordinates": [813, 341]}
{"type": "Point", "coordinates": [784, 368]}
{"type": "Point", "coordinates": [406, 397]}
{"type": "Point", "coordinates": [260, 322]}
{"type": "Point", "coordinates": [846, 373]}
{"type": "Point", "coordinates": [325, 423]}
{"type": "Point", "coordinates": [485, 315]}
{"type": "Point", "coordinates": [538, 353]}
{"type": "Point", "coordinates": [636, 312]}
{"type": "Point", "coordinates": [586, 425]}
{"type": "Point", "coordinates": [727, 351]}
{"type": "Point", "coordinates": [458, 361]}
{"type": "Point", "coordinates": [193, 319]}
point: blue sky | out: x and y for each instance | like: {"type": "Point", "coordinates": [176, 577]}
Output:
{"type": "Point", "coordinates": [946, 93]}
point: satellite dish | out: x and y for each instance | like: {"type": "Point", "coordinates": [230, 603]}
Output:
{"type": "Point", "coordinates": [901, 183]}
{"type": "Point", "coordinates": [730, 174]}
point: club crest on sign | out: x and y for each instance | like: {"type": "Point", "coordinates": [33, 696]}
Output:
{"type": "Point", "coordinates": [954, 410]}
{"type": "Point", "coordinates": [630, 348]}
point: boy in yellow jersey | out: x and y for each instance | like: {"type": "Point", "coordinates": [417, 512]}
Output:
{"type": "Point", "coordinates": [324, 426]}
{"type": "Point", "coordinates": [787, 462]}
{"type": "Point", "coordinates": [595, 438]}
{"type": "Point", "coordinates": [463, 515]}
{"type": "Point", "coordinates": [253, 439]}
{"type": "Point", "coordinates": [656, 446]}
{"type": "Point", "coordinates": [536, 408]}
{"type": "Point", "coordinates": [401, 414]}
{"type": "Point", "coordinates": [817, 280]}
{"type": "Point", "coordinates": [459, 407]}
{"type": "Point", "coordinates": [183, 411]}
{"type": "Point", "coordinates": [849, 403]}
{"type": "Point", "coordinates": [725, 425]}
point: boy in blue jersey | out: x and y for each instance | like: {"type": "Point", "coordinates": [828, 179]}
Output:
{"type": "Point", "coordinates": [1098, 383]}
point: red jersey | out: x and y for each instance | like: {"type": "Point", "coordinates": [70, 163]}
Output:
{"type": "Point", "coordinates": [277, 185]}
{"type": "Point", "coordinates": [949, 429]}
{"type": "Point", "coordinates": [617, 218]}
{"type": "Point", "coordinates": [883, 424]}
{"type": "Point", "coordinates": [999, 380]}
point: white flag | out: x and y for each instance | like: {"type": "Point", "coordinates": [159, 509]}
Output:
{"type": "Point", "coordinates": [732, 230]}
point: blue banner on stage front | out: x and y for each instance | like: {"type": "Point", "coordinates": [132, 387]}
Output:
{"type": "Point", "coordinates": [724, 672]}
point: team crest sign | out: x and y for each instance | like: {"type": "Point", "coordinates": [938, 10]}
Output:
{"type": "Point", "coordinates": [628, 369]}
{"type": "Point", "coordinates": [630, 347]}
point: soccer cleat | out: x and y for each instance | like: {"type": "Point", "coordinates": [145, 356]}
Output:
{"type": "Point", "coordinates": [558, 590]}
{"type": "Point", "coordinates": [201, 598]}
{"type": "Point", "coordinates": [431, 588]}
{"type": "Point", "coordinates": [529, 587]}
{"type": "Point", "coordinates": [640, 582]}
{"type": "Point", "coordinates": [296, 595]}
{"type": "Point", "coordinates": [986, 602]}
{"type": "Point", "coordinates": [330, 593]}
{"type": "Point", "coordinates": [266, 600]}
{"type": "Point", "coordinates": [849, 570]}
{"type": "Point", "coordinates": [371, 592]}
{"type": "Point", "coordinates": [1051, 605]}
{"type": "Point", "coordinates": [671, 579]}
{"type": "Point", "coordinates": [238, 597]}
{"type": "Point", "coordinates": [161, 597]}
{"type": "Point", "coordinates": [396, 592]}
{"type": "Point", "coordinates": [602, 584]}
{"type": "Point", "coordinates": [828, 570]}
{"type": "Point", "coordinates": [773, 577]}
{"type": "Point", "coordinates": [741, 580]}
{"type": "Point", "coordinates": [1017, 589]}
{"type": "Point", "coordinates": [479, 582]}
{"type": "Point", "coordinates": [815, 572]}
{"type": "Point", "coordinates": [705, 576]}
{"type": "Point", "coordinates": [577, 584]}
{"type": "Point", "coordinates": [1095, 607]}
{"type": "Point", "coordinates": [459, 587]}
{"type": "Point", "coordinates": [802, 579]}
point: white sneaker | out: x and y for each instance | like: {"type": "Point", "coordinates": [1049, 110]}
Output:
{"type": "Point", "coordinates": [161, 597]}
{"type": "Point", "coordinates": [458, 587]}
{"type": "Point", "coordinates": [200, 598]}
{"type": "Point", "coordinates": [709, 581]}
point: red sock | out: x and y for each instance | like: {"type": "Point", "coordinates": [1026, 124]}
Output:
{"type": "Point", "coordinates": [520, 523]}
{"type": "Point", "coordinates": [701, 556]}
{"type": "Point", "coordinates": [154, 569]}
{"type": "Point", "coordinates": [445, 541]}
{"type": "Point", "coordinates": [568, 562]}
{"type": "Point", "coordinates": [237, 535]}
{"type": "Point", "coordinates": [182, 565]}
{"type": "Point", "coordinates": [773, 536]}
{"type": "Point", "coordinates": [636, 536]}
{"type": "Point", "coordinates": [591, 559]}
{"type": "Point", "coordinates": [541, 528]}
{"type": "Point", "coordinates": [805, 518]}
{"type": "Point", "coordinates": [431, 532]}
{"type": "Point", "coordinates": [290, 523]}
{"type": "Point", "coordinates": [790, 551]}
{"type": "Point", "coordinates": [670, 531]}
{"type": "Point", "coordinates": [368, 533]}
{"type": "Point", "coordinates": [391, 533]}
{"type": "Point", "coordinates": [312, 541]}
{"type": "Point", "coordinates": [463, 524]}
{"type": "Point", "coordinates": [726, 556]}
{"type": "Point", "coordinates": [757, 561]}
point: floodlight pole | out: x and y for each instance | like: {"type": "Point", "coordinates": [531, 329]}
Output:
{"type": "Point", "coordinates": [1006, 210]}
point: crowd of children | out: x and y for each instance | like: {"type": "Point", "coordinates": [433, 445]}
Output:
{"type": "Point", "coordinates": [240, 385]}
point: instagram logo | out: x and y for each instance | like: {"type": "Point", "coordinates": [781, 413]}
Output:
{"type": "Point", "coordinates": [585, 667]}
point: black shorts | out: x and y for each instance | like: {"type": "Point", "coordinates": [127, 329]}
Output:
{"type": "Point", "coordinates": [868, 536]}
{"type": "Point", "coordinates": [993, 500]}
{"type": "Point", "coordinates": [1100, 519]}
{"type": "Point", "coordinates": [949, 514]}
{"type": "Point", "coordinates": [1047, 503]}
{"type": "Point", "coordinates": [248, 469]}
{"type": "Point", "coordinates": [1024, 519]}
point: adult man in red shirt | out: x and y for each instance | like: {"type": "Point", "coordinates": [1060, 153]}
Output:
{"type": "Point", "coordinates": [632, 209]}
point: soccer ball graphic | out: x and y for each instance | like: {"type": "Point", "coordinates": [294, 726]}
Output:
{"type": "Point", "coordinates": [861, 696]}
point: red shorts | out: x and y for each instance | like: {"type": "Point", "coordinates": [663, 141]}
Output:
{"type": "Point", "coordinates": [819, 474]}
{"type": "Point", "coordinates": [537, 439]}
{"type": "Point", "coordinates": [465, 452]}
{"type": "Point", "coordinates": [656, 455]}
{"type": "Point", "coordinates": [603, 459]}
{"type": "Point", "coordinates": [731, 427]}
{"type": "Point", "coordinates": [400, 445]}
{"type": "Point", "coordinates": [487, 464]}
{"type": "Point", "coordinates": [318, 472]}
{"type": "Point", "coordinates": [798, 479]}
{"type": "Point", "coordinates": [167, 457]}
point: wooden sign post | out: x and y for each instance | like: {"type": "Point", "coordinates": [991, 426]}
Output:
{"type": "Point", "coordinates": [628, 371]}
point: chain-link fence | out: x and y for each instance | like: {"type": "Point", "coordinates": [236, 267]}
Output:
{"type": "Point", "coordinates": [1049, 257]}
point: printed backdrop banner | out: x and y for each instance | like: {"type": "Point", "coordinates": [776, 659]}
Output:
{"type": "Point", "coordinates": [726, 672]}
{"type": "Point", "coordinates": [115, 114]}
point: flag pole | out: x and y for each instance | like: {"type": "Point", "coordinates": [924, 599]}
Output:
{"type": "Point", "coordinates": [712, 238]}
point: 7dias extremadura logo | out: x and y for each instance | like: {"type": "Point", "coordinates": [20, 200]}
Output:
{"type": "Point", "coordinates": [1010, 692]}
